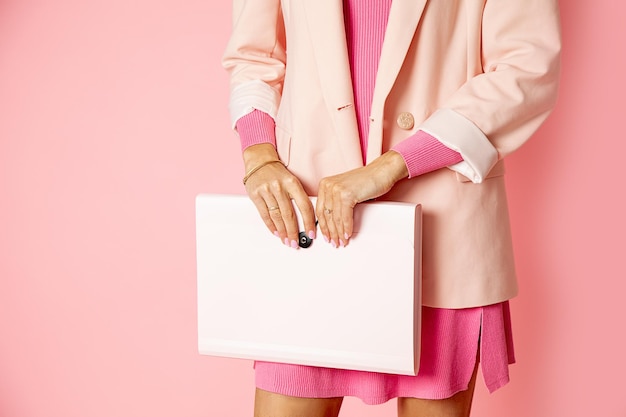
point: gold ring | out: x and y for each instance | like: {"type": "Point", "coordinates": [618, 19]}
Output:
{"type": "Point", "coordinates": [272, 208]}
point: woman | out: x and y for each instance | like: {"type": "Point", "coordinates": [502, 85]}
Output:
{"type": "Point", "coordinates": [404, 100]}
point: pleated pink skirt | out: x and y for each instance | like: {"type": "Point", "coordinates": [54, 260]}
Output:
{"type": "Point", "coordinates": [450, 341]}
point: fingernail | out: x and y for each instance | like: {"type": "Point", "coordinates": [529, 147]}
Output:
{"type": "Point", "coordinates": [332, 242]}
{"type": "Point", "coordinates": [346, 236]}
{"type": "Point", "coordinates": [276, 233]}
{"type": "Point", "coordinates": [326, 238]}
{"type": "Point", "coordinates": [341, 243]}
{"type": "Point", "coordinates": [294, 244]}
{"type": "Point", "coordinates": [286, 241]}
{"type": "Point", "coordinates": [312, 234]}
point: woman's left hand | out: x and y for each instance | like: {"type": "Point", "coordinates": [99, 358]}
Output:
{"type": "Point", "coordinates": [339, 194]}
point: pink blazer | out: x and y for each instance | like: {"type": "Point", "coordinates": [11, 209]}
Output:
{"type": "Point", "coordinates": [479, 75]}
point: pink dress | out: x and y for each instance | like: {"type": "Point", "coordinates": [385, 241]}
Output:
{"type": "Point", "coordinates": [452, 340]}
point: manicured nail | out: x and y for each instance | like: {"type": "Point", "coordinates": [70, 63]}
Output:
{"type": "Point", "coordinates": [346, 236]}
{"type": "Point", "coordinates": [294, 244]}
{"type": "Point", "coordinates": [312, 234]}
{"type": "Point", "coordinates": [341, 243]}
{"type": "Point", "coordinates": [276, 233]}
{"type": "Point", "coordinates": [326, 238]}
{"type": "Point", "coordinates": [332, 242]}
{"type": "Point", "coordinates": [286, 241]}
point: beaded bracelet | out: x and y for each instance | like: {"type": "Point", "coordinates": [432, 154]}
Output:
{"type": "Point", "coordinates": [256, 168]}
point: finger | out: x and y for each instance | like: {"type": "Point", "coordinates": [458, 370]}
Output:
{"type": "Point", "coordinates": [274, 212]}
{"type": "Point", "coordinates": [347, 220]}
{"type": "Point", "coordinates": [306, 212]}
{"type": "Point", "coordinates": [264, 212]}
{"type": "Point", "coordinates": [344, 214]}
{"type": "Point", "coordinates": [277, 218]}
{"type": "Point", "coordinates": [328, 214]}
{"type": "Point", "coordinates": [321, 216]}
{"type": "Point", "coordinates": [259, 192]}
{"type": "Point", "coordinates": [289, 220]}
{"type": "Point", "coordinates": [333, 237]}
{"type": "Point", "coordinates": [337, 223]}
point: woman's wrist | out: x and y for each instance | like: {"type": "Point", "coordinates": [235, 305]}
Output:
{"type": "Point", "coordinates": [393, 165]}
{"type": "Point", "coordinates": [256, 155]}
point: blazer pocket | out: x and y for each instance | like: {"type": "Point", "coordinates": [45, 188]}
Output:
{"type": "Point", "coordinates": [497, 171]}
{"type": "Point", "coordinates": [283, 144]}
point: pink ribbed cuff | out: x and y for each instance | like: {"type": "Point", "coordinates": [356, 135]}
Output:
{"type": "Point", "coordinates": [423, 153]}
{"type": "Point", "coordinates": [255, 128]}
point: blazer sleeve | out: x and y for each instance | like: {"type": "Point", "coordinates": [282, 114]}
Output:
{"type": "Point", "coordinates": [255, 57]}
{"type": "Point", "coordinates": [496, 111]}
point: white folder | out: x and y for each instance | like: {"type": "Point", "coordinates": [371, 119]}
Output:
{"type": "Point", "coordinates": [356, 307]}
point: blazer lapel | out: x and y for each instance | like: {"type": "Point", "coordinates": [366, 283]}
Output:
{"type": "Point", "coordinates": [327, 30]}
{"type": "Point", "coordinates": [404, 17]}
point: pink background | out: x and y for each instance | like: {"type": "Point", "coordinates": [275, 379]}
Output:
{"type": "Point", "coordinates": [113, 117]}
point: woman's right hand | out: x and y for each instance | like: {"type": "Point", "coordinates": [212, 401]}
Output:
{"type": "Point", "coordinates": [272, 189]}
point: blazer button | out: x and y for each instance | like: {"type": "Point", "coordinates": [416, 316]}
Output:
{"type": "Point", "coordinates": [406, 121]}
